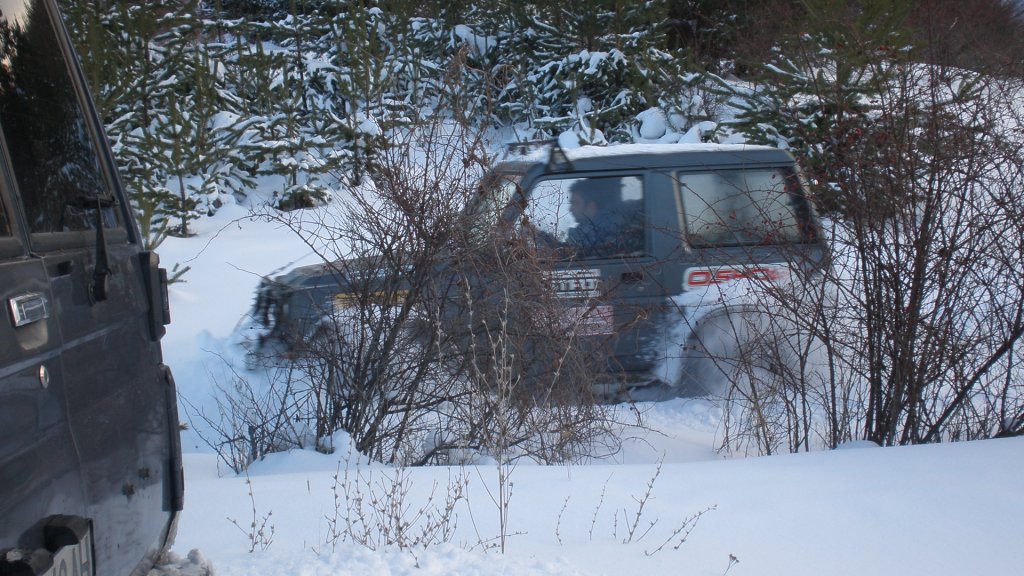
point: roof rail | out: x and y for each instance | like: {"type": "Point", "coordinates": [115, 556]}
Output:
{"type": "Point", "coordinates": [527, 146]}
{"type": "Point", "coordinates": [557, 160]}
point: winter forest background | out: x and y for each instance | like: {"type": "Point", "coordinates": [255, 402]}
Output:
{"type": "Point", "coordinates": [905, 116]}
{"type": "Point", "coordinates": [200, 98]}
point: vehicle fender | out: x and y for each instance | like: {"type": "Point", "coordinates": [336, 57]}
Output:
{"type": "Point", "coordinates": [175, 490]}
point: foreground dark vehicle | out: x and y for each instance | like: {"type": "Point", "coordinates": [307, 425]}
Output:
{"type": "Point", "coordinates": [90, 460]}
{"type": "Point", "coordinates": [621, 234]}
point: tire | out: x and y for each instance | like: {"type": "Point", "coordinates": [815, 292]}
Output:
{"type": "Point", "coordinates": [732, 348]}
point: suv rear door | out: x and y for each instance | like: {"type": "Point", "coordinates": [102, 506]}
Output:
{"type": "Point", "coordinates": [39, 469]}
{"type": "Point", "coordinates": [745, 221]}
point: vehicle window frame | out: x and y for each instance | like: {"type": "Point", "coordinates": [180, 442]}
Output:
{"type": "Point", "coordinates": [485, 213]}
{"type": "Point", "coordinates": [6, 230]}
{"type": "Point", "coordinates": [642, 203]}
{"type": "Point", "coordinates": [11, 244]}
{"type": "Point", "coordinates": [797, 218]}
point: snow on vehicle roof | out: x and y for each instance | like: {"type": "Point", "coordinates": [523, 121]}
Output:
{"type": "Point", "coordinates": [542, 154]}
{"type": "Point", "coordinates": [630, 149]}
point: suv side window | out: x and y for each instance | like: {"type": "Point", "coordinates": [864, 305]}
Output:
{"type": "Point", "coordinates": [585, 218]}
{"type": "Point", "coordinates": [744, 207]}
{"type": "Point", "coordinates": [5, 228]}
{"type": "Point", "coordinates": [56, 165]}
{"type": "Point", "coordinates": [10, 243]}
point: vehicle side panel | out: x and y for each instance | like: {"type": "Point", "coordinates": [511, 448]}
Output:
{"type": "Point", "coordinates": [117, 407]}
{"type": "Point", "coordinates": [88, 416]}
{"type": "Point", "coordinates": [39, 468]}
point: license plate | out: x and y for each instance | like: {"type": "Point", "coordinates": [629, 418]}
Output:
{"type": "Point", "coordinates": [575, 283]}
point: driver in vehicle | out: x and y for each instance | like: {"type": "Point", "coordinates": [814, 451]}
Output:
{"type": "Point", "coordinates": [596, 205]}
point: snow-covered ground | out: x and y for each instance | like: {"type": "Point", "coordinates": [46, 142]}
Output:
{"type": "Point", "coordinates": [929, 510]}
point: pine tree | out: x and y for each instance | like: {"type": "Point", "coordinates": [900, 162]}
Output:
{"type": "Point", "coordinates": [118, 44]}
{"type": "Point", "coordinates": [591, 70]}
{"type": "Point", "coordinates": [818, 93]}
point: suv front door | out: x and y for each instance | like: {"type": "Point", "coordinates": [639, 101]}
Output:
{"type": "Point", "coordinates": [596, 226]}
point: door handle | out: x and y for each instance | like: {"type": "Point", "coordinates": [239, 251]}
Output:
{"type": "Point", "coordinates": [28, 308]}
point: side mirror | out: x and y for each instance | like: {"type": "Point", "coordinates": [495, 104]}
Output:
{"type": "Point", "coordinates": [155, 279]}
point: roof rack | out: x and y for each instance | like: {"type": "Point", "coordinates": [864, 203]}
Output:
{"type": "Point", "coordinates": [526, 146]}
{"type": "Point", "coordinates": [557, 160]}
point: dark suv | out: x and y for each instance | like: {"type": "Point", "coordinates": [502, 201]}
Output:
{"type": "Point", "coordinates": [629, 234]}
{"type": "Point", "coordinates": [90, 461]}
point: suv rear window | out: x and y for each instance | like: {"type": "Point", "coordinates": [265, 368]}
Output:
{"type": "Point", "coordinates": [744, 207]}
{"type": "Point", "coordinates": [48, 138]}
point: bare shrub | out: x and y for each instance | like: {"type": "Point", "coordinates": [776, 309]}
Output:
{"type": "Point", "coordinates": [252, 419]}
{"type": "Point", "coordinates": [921, 311]}
{"type": "Point", "coordinates": [437, 335]}
{"type": "Point", "coordinates": [930, 257]}
{"type": "Point", "coordinates": [373, 508]}
{"type": "Point", "coordinates": [258, 531]}
{"type": "Point", "coordinates": [520, 352]}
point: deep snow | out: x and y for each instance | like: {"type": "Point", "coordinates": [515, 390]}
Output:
{"type": "Point", "coordinates": [930, 510]}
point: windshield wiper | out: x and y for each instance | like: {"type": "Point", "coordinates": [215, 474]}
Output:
{"type": "Point", "coordinates": [101, 272]}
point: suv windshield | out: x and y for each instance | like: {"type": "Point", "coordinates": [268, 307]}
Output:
{"type": "Point", "coordinates": [487, 210]}
{"type": "Point", "coordinates": [745, 207]}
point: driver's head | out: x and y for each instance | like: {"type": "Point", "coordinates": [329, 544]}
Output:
{"type": "Point", "coordinates": [582, 206]}
{"type": "Point", "coordinates": [586, 199]}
